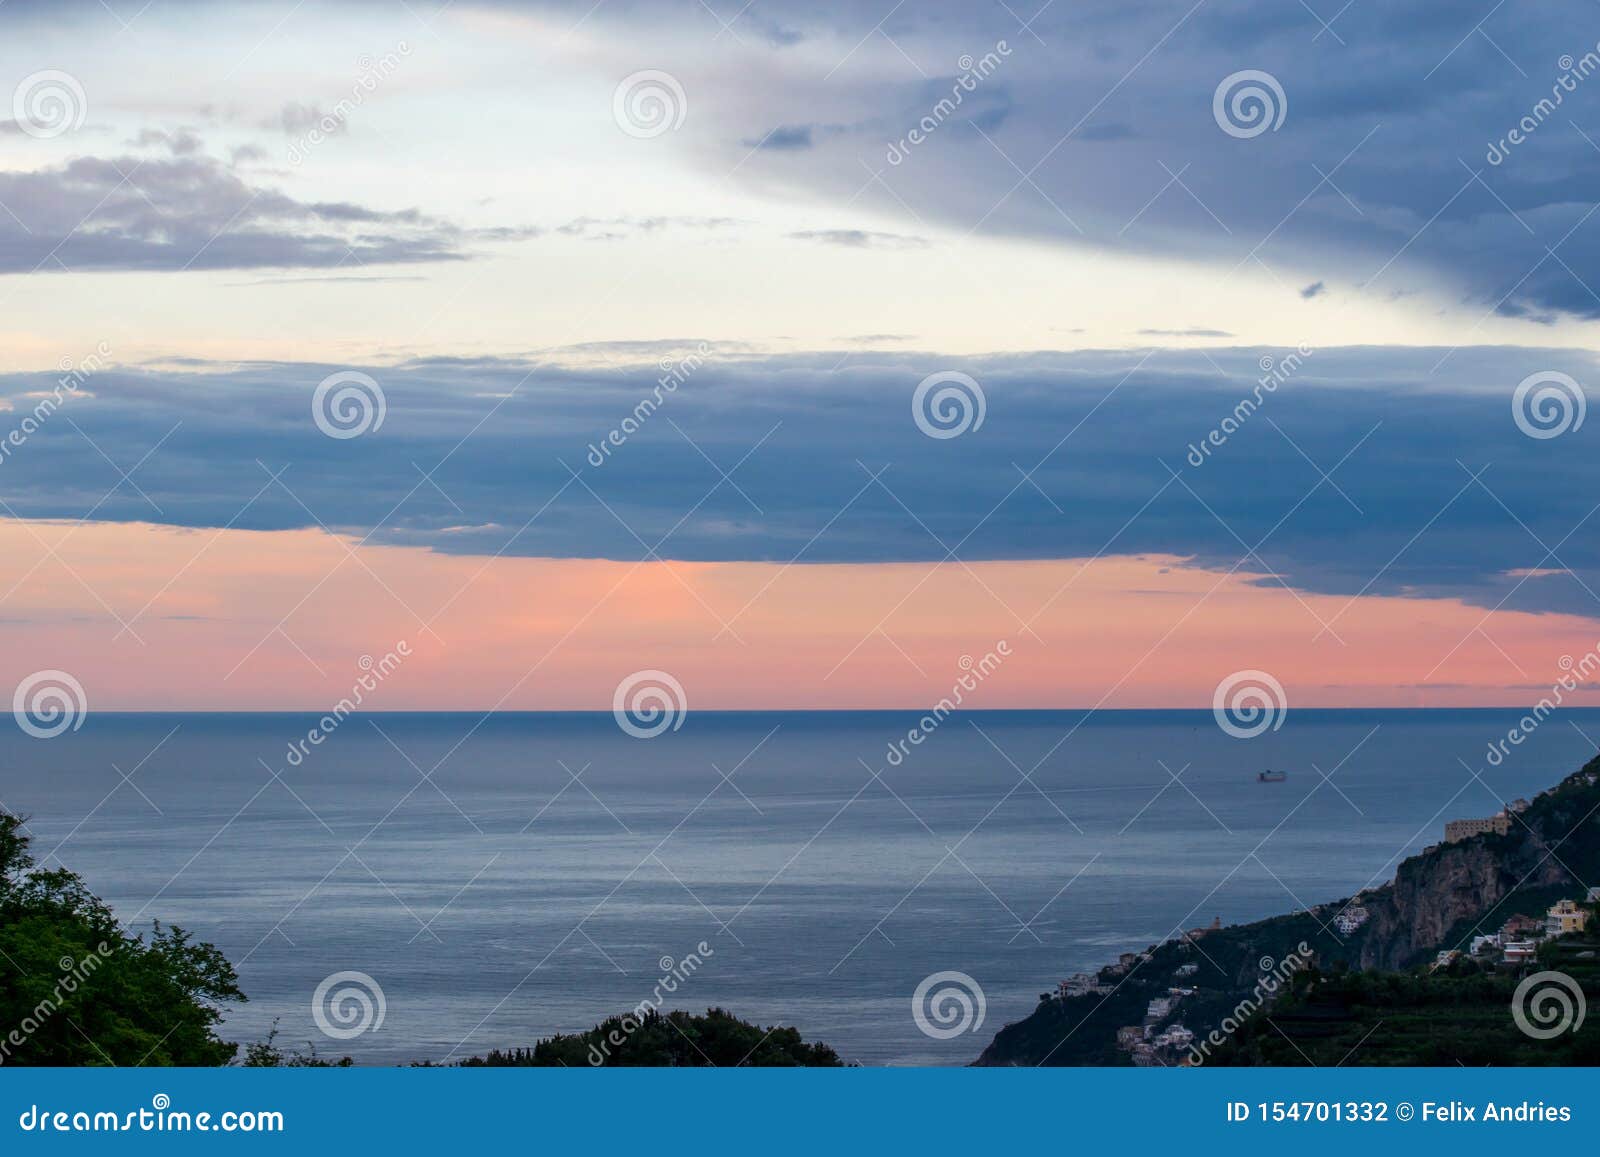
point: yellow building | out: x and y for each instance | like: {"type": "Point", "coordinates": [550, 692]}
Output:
{"type": "Point", "coordinates": [1457, 830]}
{"type": "Point", "coordinates": [1565, 917]}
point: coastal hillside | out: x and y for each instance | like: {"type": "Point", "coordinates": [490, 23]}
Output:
{"type": "Point", "coordinates": [1486, 890]}
{"type": "Point", "coordinates": [1456, 1014]}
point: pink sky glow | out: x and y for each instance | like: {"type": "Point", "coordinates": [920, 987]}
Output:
{"type": "Point", "coordinates": [243, 620]}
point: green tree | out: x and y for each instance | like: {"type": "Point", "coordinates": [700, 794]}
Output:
{"type": "Point", "coordinates": [76, 988]}
{"type": "Point", "coordinates": [675, 1039]}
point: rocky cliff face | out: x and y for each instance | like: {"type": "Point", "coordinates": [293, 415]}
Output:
{"type": "Point", "coordinates": [1432, 893]}
{"type": "Point", "coordinates": [1555, 843]}
{"type": "Point", "coordinates": [1436, 900]}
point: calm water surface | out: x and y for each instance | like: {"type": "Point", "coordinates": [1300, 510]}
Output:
{"type": "Point", "coordinates": [510, 877]}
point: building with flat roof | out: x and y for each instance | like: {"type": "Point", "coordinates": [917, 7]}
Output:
{"type": "Point", "coordinates": [1457, 830]}
{"type": "Point", "coordinates": [1519, 927]}
{"type": "Point", "coordinates": [1519, 951]}
{"type": "Point", "coordinates": [1564, 916]}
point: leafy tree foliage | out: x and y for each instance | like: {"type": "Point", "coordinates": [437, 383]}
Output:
{"type": "Point", "coordinates": [78, 989]}
{"type": "Point", "coordinates": [265, 1054]}
{"type": "Point", "coordinates": [681, 1039]}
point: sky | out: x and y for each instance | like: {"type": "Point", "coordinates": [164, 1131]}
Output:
{"type": "Point", "coordinates": [804, 353]}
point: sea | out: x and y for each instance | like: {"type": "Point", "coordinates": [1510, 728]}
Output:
{"type": "Point", "coordinates": [488, 880]}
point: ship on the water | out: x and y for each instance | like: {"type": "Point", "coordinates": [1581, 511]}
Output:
{"type": "Point", "coordinates": [1270, 776]}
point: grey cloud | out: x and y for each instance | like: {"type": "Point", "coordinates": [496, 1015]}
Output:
{"type": "Point", "coordinates": [193, 212]}
{"type": "Point", "coordinates": [1393, 169]}
{"type": "Point", "coordinates": [800, 137]}
{"type": "Point", "coordinates": [622, 228]}
{"type": "Point", "coordinates": [860, 239]}
{"type": "Point", "coordinates": [179, 142]}
{"type": "Point", "coordinates": [296, 117]}
{"type": "Point", "coordinates": [783, 138]}
{"type": "Point", "coordinates": [1399, 432]}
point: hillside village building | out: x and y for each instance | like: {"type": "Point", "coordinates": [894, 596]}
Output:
{"type": "Point", "coordinates": [1564, 917]}
{"type": "Point", "coordinates": [1457, 830]}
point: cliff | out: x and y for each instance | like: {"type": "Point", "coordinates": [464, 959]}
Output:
{"type": "Point", "coordinates": [1437, 900]}
{"type": "Point", "coordinates": [1438, 896]}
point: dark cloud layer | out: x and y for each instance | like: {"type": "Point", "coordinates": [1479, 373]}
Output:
{"type": "Point", "coordinates": [1421, 143]}
{"type": "Point", "coordinates": [1400, 434]}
